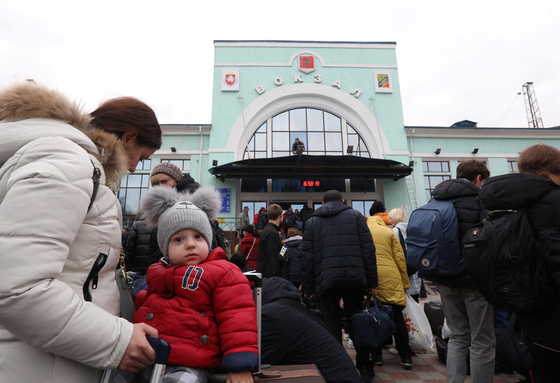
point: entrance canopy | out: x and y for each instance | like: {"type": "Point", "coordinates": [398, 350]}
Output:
{"type": "Point", "coordinates": [306, 166]}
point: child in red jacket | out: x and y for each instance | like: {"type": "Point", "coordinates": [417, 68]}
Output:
{"type": "Point", "coordinates": [198, 301]}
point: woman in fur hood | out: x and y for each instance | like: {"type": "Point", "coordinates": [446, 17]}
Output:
{"type": "Point", "coordinates": [59, 218]}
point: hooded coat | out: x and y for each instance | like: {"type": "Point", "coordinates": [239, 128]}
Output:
{"type": "Point", "coordinates": [541, 198]}
{"type": "Point", "coordinates": [391, 266]}
{"type": "Point", "coordinates": [294, 262]}
{"type": "Point", "coordinates": [49, 241]}
{"type": "Point", "coordinates": [205, 312]}
{"type": "Point", "coordinates": [137, 247]}
{"type": "Point", "coordinates": [470, 211]}
{"type": "Point", "coordinates": [337, 250]}
{"type": "Point", "coordinates": [291, 337]}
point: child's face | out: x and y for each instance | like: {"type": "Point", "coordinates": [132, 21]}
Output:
{"type": "Point", "coordinates": [187, 247]}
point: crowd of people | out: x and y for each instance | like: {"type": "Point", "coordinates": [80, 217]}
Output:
{"type": "Point", "coordinates": [60, 244]}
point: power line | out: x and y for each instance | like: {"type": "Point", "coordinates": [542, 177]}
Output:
{"type": "Point", "coordinates": [508, 108]}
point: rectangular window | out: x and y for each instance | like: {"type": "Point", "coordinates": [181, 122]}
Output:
{"type": "Point", "coordinates": [297, 120]}
{"type": "Point", "coordinates": [253, 185]}
{"type": "Point", "coordinates": [184, 165]}
{"type": "Point", "coordinates": [254, 207]}
{"type": "Point", "coordinates": [362, 185]}
{"type": "Point", "coordinates": [362, 206]}
{"type": "Point", "coordinates": [144, 165]}
{"type": "Point", "coordinates": [512, 167]}
{"type": "Point", "coordinates": [132, 188]}
{"type": "Point", "coordinates": [435, 172]}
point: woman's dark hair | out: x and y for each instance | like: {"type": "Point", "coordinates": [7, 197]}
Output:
{"type": "Point", "coordinates": [250, 229]}
{"type": "Point", "coordinates": [376, 207]}
{"type": "Point", "coordinates": [541, 159]}
{"type": "Point", "coordinates": [119, 115]}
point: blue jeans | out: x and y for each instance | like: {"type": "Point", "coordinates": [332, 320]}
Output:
{"type": "Point", "coordinates": [471, 321]}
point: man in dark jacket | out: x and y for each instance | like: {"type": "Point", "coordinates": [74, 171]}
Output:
{"type": "Point", "coordinates": [469, 316]}
{"type": "Point", "coordinates": [262, 219]}
{"type": "Point", "coordinates": [270, 244]}
{"type": "Point", "coordinates": [294, 243]}
{"type": "Point", "coordinates": [339, 262]}
{"type": "Point", "coordinates": [293, 335]}
{"type": "Point", "coordinates": [137, 247]}
{"type": "Point", "coordinates": [305, 213]}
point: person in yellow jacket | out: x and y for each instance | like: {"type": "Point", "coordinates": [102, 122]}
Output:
{"type": "Point", "coordinates": [393, 280]}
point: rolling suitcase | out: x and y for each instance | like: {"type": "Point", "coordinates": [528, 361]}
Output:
{"type": "Point", "coordinates": [434, 312]}
{"type": "Point", "coordinates": [308, 373]}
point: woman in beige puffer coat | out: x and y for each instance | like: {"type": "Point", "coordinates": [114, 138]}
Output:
{"type": "Point", "coordinates": [56, 323]}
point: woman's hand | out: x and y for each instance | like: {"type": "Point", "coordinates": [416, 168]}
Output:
{"type": "Point", "coordinates": [240, 377]}
{"type": "Point", "coordinates": [139, 353]}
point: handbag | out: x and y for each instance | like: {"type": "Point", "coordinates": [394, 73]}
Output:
{"type": "Point", "coordinates": [249, 253]}
{"type": "Point", "coordinates": [124, 283]}
{"type": "Point", "coordinates": [373, 325]}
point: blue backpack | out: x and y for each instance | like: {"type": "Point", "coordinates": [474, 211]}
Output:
{"type": "Point", "coordinates": [433, 243]}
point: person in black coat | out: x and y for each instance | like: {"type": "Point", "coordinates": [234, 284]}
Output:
{"type": "Point", "coordinates": [536, 188]}
{"type": "Point", "coordinates": [305, 213]}
{"type": "Point", "coordinates": [292, 337]}
{"type": "Point", "coordinates": [262, 220]}
{"type": "Point", "coordinates": [339, 262]}
{"type": "Point", "coordinates": [137, 247]}
{"type": "Point", "coordinates": [270, 244]}
{"type": "Point", "coordinates": [294, 243]}
{"type": "Point", "coordinates": [470, 211]}
{"type": "Point", "coordinates": [469, 316]}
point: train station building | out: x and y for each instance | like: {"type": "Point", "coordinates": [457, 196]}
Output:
{"type": "Point", "coordinates": [342, 102]}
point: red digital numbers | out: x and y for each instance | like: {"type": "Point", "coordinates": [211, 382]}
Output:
{"type": "Point", "coordinates": [311, 183]}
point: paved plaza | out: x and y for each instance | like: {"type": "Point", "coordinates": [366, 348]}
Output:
{"type": "Point", "coordinates": [427, 367]}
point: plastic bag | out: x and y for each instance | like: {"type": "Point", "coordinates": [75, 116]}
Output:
{"type": "Point", "coordinates": [445, 332]}
{"type": "Point", "coordinates": [419, 331]}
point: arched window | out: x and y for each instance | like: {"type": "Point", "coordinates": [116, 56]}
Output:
{"type": "Point", "coordinates": [321, 132]}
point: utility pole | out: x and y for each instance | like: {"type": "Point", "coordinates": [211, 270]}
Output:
{"type": "Point", "coordinates": [531, 106]}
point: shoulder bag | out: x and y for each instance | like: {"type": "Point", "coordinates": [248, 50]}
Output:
{"type": "Point", "coordinates": [373, 325]}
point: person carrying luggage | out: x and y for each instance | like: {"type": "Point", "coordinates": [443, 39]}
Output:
{"type": "Point", "coordinates": [469, 316]}
{"type": "Point", "coordinates": [200, 303]}
{"type": "Point", "coordinates": [536, 190]}
{"type": "Point", "coordinates": [339, 261]}
{"type": "Point", "coordinates": [61, 230]}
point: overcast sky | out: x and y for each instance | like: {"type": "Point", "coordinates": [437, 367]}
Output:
{"type": "Point", "coordinates": [457, 59]}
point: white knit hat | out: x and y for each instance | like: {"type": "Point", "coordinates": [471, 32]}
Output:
{"type": "Point", "coordinates": [171, 211]}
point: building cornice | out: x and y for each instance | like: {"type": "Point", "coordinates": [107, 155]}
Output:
{"type": "Point", "coordinates": [185, 129]}
{"type": "Point", "coordinates": [516, 133]}
{"type": "Point", "coordinates": [310, 44]}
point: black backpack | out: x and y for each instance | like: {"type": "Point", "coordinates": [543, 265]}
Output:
{"type": "Point", "coordinates": [289, 221]}
{"type": "Point", "coordinates": [505, 259]}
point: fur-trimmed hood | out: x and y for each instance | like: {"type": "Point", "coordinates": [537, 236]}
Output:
{"type": "Point", "coordinates": [25, 101]}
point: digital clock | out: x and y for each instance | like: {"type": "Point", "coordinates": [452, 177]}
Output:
{"type": "Point", "coordinates": [311, 183]}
